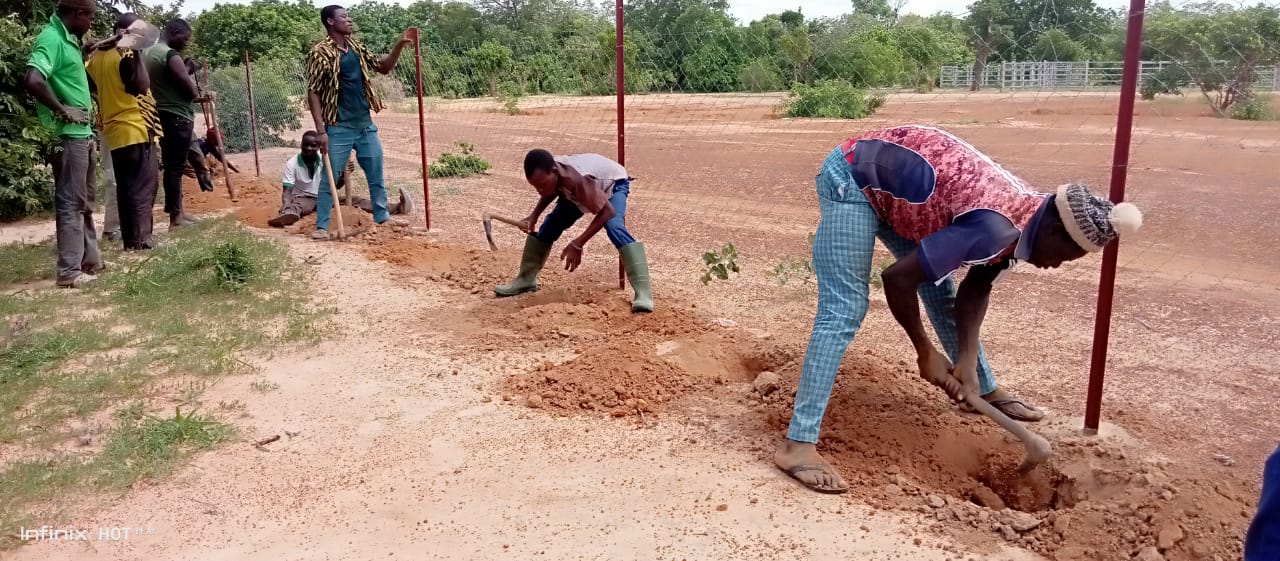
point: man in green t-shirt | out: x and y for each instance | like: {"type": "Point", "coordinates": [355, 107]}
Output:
{"type": "Point", "coordinates": [175, 93]}
{"type": "Point", "coordinates": [56, 77]}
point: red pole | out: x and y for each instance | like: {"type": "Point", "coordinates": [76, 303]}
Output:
{"type": "Point", "coordinates": [253, 115]}
{"type": "Point", "coordinates": [1119, 172]}
{"type": "Point", "coordinates": [422, 126]}
{"type": "Point", "coordinates": [622, 113]}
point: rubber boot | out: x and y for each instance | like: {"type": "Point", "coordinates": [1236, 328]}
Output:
{"type": "Point", "coordinates": [535, 256]}
{"type": "Point", "coordinates": [637, 267]}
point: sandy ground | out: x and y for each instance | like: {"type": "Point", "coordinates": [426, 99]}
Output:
{"type": "Point", "coordinates": [441, 423]}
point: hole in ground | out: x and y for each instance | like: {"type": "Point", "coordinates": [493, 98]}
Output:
{"type": "Point", "coordinates": [999, 485]}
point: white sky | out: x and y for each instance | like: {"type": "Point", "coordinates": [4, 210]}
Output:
{"type": "Point", "coordinates": [744, 10]}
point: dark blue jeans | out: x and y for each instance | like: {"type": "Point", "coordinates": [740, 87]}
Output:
{"type": "Point", "coordinates": [1262, 543]}
{"type": "Point", "coordinates": [565, 214]}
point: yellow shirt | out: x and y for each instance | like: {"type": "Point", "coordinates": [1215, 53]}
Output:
{"type": "Point", "coordinates": [127, 119]}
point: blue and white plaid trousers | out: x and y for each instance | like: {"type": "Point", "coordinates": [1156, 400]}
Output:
{"type": "Point", "coordinates": [842, 251]}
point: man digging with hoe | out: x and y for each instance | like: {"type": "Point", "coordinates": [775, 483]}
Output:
{"type": "Point", "coordinates": [938, 204]}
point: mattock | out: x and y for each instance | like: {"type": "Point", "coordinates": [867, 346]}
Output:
{"type": "Point", "coordinates": [1038, 449]}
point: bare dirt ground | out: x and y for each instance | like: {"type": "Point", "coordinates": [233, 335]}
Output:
{"type": "Point", "coordinates": [442, 423]}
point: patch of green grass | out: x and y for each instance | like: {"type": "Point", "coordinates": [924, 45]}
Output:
{"type": "Point", "coordinates": [26, 262]}
{"type": "Point", "coordinates": [161, 325]}
{"type": "Point", "coordinates": [463, 164]}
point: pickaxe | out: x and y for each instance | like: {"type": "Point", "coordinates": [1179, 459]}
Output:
{"type": "Point", "coordinates": [488, 226]}
{"type": "Point", "coordinates": [1037, 448]}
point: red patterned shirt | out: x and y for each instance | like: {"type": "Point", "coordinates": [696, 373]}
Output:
{"type": "Point", "coordinates": [937, 190]}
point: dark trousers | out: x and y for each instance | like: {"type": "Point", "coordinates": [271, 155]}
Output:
{"type": "Point", "coordinates": [175, 153]}
{"type": "Point", "coordinates": [75, 170]}
{"type": "Point", "coordinates": [136, 170]}
{"type": "Point", "coordinates": [1262, 542]}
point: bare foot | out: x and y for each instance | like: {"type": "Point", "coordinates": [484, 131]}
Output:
{"type": "Point", "coordinates": [802, 461]}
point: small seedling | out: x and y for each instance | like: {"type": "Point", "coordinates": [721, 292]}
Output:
{"type": "Point", "coordinates": [465, 164]}
{"type": "Point", "coordinates": [264, 386]}
{"type": "Point", "coordinates": [720, 264]}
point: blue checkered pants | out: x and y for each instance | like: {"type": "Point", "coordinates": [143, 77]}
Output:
{"type": "Point", "coordinates": [842, 251]}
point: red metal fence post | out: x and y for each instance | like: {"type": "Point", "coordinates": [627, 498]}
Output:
{"type": "Point", "coordinates": [253, 115]}
{"type": "Point", "coordinates": [422, 126]}
{"type": "Point", "coordinates": [622, 131]}
{"type": "Point", "coordinates": [1119, 172]}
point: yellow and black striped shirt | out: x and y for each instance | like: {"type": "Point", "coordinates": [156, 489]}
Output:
{"type": "Point", "coordinates": [323, 68]}
{"type": "Point", "coordinates": [125, 119]}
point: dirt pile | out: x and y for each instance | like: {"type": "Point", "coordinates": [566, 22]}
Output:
{"type": "Point", "coordinates": [901, 446]}
{"type": "Point", "coordinates": [624, 363]}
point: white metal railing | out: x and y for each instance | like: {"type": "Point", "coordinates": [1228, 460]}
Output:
{"type": "Point", "coordinates": [1059, 75]}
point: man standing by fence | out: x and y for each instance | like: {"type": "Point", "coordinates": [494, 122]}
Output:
{"type": "Point", "coordinates": [341, 97]}
{"type": "Point", "coordinates": [175, 94]}
{"type": "Point", "coordinates": [57, 79]}
{"type": "Point", "coordinates": [130, 129]}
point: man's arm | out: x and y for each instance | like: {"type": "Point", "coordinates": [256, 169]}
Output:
{"type": "Point", "coordinates": [134, 74]}
{"type": "Point", "coordinates": [317, 117]}
{"type": "Point", "coordinates": [901, 280]}
{"type": "Point", "coordinates": [971, 308]}
{"type": "Point", "coordinates": [538, 209]}
{"type": "Point", "coordinates": [605, 214]}
{"type": "Point", "coordinates": [178, 71]}
{"type": "Point", "coordinates": [36, 84]}
{"type": "Point", "coordinates": [387, 63]}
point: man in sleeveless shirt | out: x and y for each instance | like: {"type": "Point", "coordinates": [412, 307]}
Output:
{"type": "Point", "coordinates": [938, 204]}
{"type": "Point", "coordinates": [579, 184]}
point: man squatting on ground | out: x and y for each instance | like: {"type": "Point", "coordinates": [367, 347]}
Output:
{"type": "Point", "coordinates": [130, 129]}
{"type": "Point", "coordinates": [341, 97]}
{"type": "Point", "coordinates": [56, 77]}
{"type": "Point", "coordinates": [301, 183]}
{"type": "Point", "coordinates": [176, 93]}
{"type": "Point", "coordinates": [582, 183]}
{"type": "Point", "coordinates": [938, 204]}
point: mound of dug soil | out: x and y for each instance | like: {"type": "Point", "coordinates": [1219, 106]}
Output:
{"type": "Point", "coordinates": [901, 446]}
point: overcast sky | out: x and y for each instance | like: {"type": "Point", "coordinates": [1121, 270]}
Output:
{"type": "Point", "coordinates": [744, 10]}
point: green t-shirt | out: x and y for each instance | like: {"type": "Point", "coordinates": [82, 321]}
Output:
{"type": "Point", "coordinates": [353, 107]}
{"type": "Point", "coordinates": [57, 56]}
{"type": "Point", "coordinates": [169, 95]}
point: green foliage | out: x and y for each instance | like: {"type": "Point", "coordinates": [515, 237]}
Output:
{"type": "Point", "coordinates": [509, 93]}
{"type": "Point", "coordinates": [720, 263]}
{"type": "Point", "coordinates": [26, 183]}
{"type": "Point", "coordinates": [760, 76]}
{"type": "Point", "coordinates": [1055, 44]}
{"type": "Point", "coordinates": [464, 164]}
{"type": "Point", "coordinates": [831, 99]}
{"type": "Point", "coordinates": [278, 107]}
{"type": "Point", "coordinates": [232, 265]}
{"type": "Point", "coordinates": [268, 29]}
{"type": "Point", "coordinates": [1169, 80]}
{"type": "Point", "coordinates": [795, 267]}
{"type": "Point", "coordinates": [1256, 108]}
{"type": "Point", "coordinates": [925, 50]}
{"type": "Point", "coordinates": [1220, 46]}
{"type": "Point", "coordinates": [491, 59]}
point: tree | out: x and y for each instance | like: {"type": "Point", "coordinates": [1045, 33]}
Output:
{"type": "Point", "coordinates": [1055, 44]}
{"type": "Point", "coordinates": [379, 25]}
{"type": "Point", "coordinates": [987, 32]}
{"type": "Point", "coordinates": [925, 50]}
{"type": "Point", "coordinates": [491, 59]}
{"type": "Point", "coordinates": [799, 50]}
{"type": "Point", "coordinates": [26, 185]}
{"type": "Point", "coordinates": [268, 29]}
{"type": "Point", "coordinates": [1219, 46]}
{"type": "Point", "coordinates": [879, 10]}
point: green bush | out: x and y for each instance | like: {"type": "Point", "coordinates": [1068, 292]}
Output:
{"type": "Point", "coordinates": [1167, 81]}
{"type": "Point", "coordinates": [760, 76]}
{"type": "Point", "coordinates": [26, 183]}
{"type": "Point", "coordinates": [832, 99]}
{"type": "Point", "coordinates": [464, 164]}
{"type": "Point", "coordinates": [1256, 108]}
{"type": "Point", "coordinates": [277, 110]}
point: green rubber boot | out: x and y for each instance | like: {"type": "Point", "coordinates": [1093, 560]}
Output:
{"type": "Point", "coordinates": [638, 273]}
{"type": "Point", "coordinates": [535, 256]}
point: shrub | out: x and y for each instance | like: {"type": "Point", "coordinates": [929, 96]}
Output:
{"type": "Point", "coordinates": [760, 76]}
{"type": "Point", "coordinates": [831, 99]}
{"type": "Point", "coordinates": [1167, 81]}
{"type": "Point", "coordinates": [26, 183]}
{"type": "Point", "coordinates": [1256, 108]}
{"type": "Point", "coordinates": [465, 164]}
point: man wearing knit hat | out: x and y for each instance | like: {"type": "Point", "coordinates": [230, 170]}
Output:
{"type": "Point", "coordinates": [938, 204]}
{"type": "Point", "coordinates": [56, 78]}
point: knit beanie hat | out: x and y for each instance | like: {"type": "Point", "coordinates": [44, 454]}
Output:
{"type": "Point", "coordinates": [1093, 222]}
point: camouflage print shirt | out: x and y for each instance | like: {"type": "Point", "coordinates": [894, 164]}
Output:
{"type": "Point", "coordinates": [937, 190]}
{"type": "Point", "coordinates": [323, 70]}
